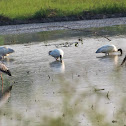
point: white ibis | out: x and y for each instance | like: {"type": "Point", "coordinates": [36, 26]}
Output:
{"type": "Point", "coordinates": [4, 51]}
{"type": "Point", "coordinates": [108, 49]}
{"type": "Point", "coordinates": [57, 53]}
{"type": "Point", "coordinates": [4, 69]}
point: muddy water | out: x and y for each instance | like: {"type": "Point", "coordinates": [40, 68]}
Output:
{"type": "Point", "coordinates": [86, 89]}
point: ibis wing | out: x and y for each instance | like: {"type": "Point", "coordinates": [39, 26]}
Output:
{"type": "Point", "coordinates": [55, 53]}
{"type": "Point", "coordinates": [4, 51]}
{"type": "Point", "coordinates": [9, 50]}
{"type": "Point", "coordinates": [105, 49]}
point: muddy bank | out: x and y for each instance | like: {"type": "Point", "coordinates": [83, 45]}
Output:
{"type": "Point", "coordinates": [85, 16]}
{"type": "Point", "coordinates": [72, 25]}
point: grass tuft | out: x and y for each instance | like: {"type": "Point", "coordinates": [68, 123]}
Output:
{"type": "Point", "coordinates": [44, 13]}
{"type": "Point", "coordinates": [26, 9]}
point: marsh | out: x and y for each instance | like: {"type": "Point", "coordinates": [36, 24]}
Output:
{"type": "Point", "coordinates": [85, 89]}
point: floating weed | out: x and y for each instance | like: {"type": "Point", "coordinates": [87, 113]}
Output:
{"type": "Point", "coordinates": [108, 95]}
{"type": "Point", "coordinates": [49, 77]}
{"type": "Point", "coordinates": [81, 40]}
{"type": "Point", "coordinates": [114, 121]}
{"type": "Point", "coordinates": [76, 44]}
{"type": "Point", "coordinates": [98, 89]}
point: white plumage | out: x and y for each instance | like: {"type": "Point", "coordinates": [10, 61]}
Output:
{"type": "Point", "coordinates": [57, 53]}
{"type": "Point", "coordinates": [108, 49]}
{"type": "Point", "coordinates": [4, 51]}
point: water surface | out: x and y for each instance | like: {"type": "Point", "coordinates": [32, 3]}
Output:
{"type": "Point", "coordinates": [86, 89]}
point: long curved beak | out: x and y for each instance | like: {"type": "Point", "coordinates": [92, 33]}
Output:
{"type": "Point", "coordinates": [123, 60]}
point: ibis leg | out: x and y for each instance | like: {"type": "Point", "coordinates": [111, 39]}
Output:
{"type": "Point", "coordinates": [2, 82]}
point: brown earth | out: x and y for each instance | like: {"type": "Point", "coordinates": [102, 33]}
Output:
{"type": "Point", "coordinates": [85, 16]}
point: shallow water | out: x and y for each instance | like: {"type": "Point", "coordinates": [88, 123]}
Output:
{"type": "Point", "coordinates": [86, 89]}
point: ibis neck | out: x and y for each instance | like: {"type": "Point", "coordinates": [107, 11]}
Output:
{"type": "Point", "coordinates": [60, 57]}
{"type": "Point", "coordinates": [120, 51]}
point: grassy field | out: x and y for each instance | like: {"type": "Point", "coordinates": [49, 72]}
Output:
{"type": "Point", "coordinates": [25, 9]}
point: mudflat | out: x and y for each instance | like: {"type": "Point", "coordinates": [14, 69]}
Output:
{"type": "Point", "coordinates": [38, 27]}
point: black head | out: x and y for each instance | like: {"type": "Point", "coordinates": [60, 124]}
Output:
{"type": "Point", "coordinates": [80, 39]}
{"type": "Point", "coordinates": [50, 52]}
{"type": "Point", "coordinates": [8, 72]}
{"type": "Point", "coordinates": [120, 51]}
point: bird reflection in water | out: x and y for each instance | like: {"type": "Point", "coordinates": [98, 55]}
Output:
{"type": "Point", "coordinates": [5, 95]}
{"type": "Point", "coordinates": [6, 59]}
{"type": "Point", "coordinates": [58, 66]}
{"type": "Point", "coordinates": [108, 58]}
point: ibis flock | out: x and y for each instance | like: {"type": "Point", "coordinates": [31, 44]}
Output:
{"type": "Point", "coordinates": [56, 53]}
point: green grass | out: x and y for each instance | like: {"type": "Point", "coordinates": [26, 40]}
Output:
{"type": "Point", "coordinates": [24, 9]}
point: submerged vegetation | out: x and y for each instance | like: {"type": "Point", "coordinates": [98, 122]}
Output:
{"type": "Point", "coordinates": [30, 9]}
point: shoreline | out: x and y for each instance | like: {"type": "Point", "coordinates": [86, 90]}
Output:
{"type": "Point", "coordinates": [51, 26]}
{"type": "Point", "coordinates": [86, 16]}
